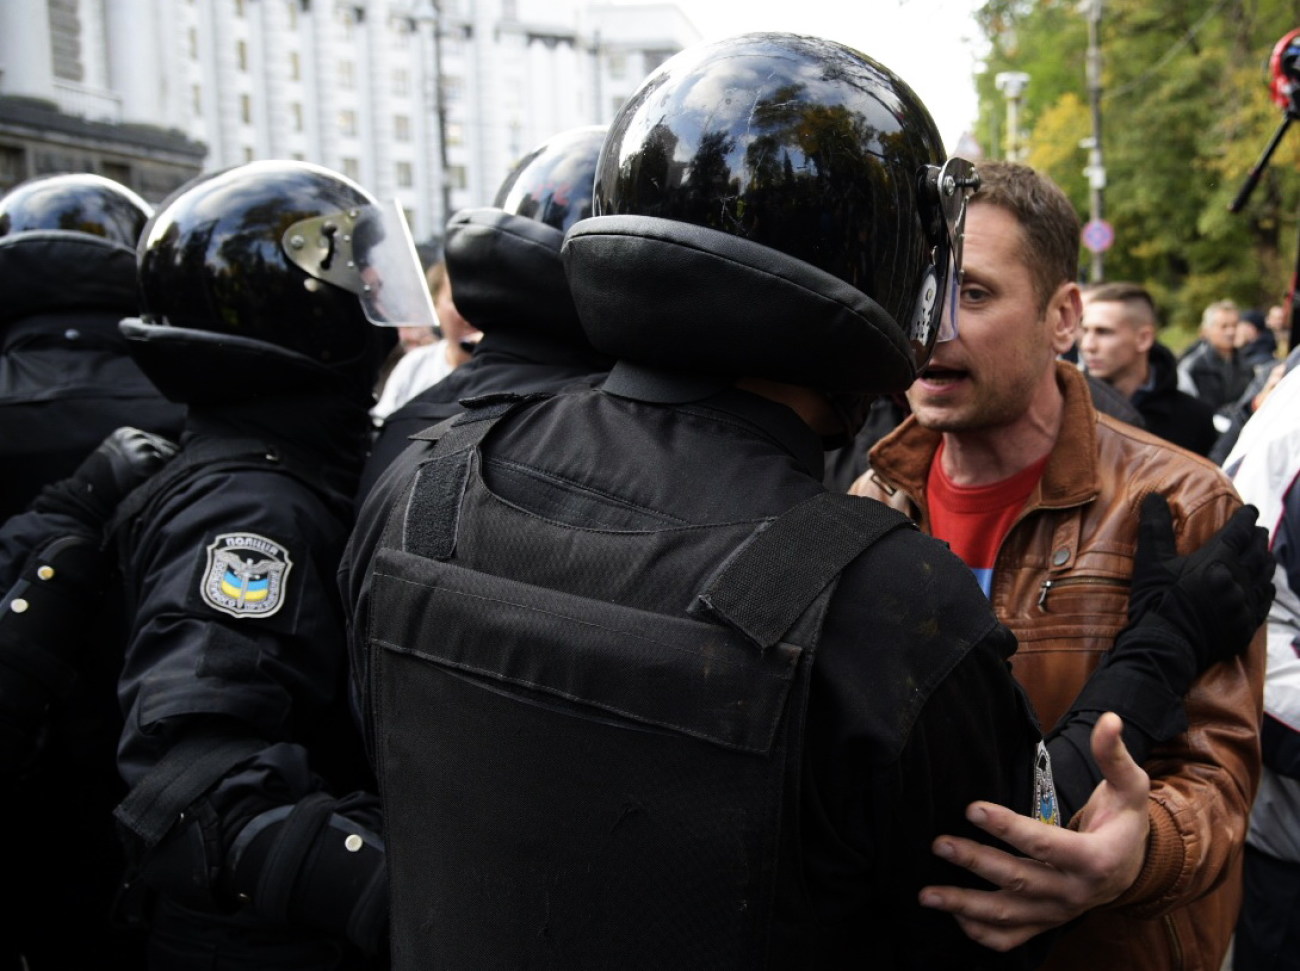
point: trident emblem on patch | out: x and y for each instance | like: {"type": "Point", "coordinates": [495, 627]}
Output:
{"type": "Point", "coordinates": [245, 575]}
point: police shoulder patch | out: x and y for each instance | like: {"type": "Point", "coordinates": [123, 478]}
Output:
{"type": "Point", "coordinates": [245, 575]}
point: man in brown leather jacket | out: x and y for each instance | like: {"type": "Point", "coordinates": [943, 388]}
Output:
{"type": "Point", "coordinates": [1006, 459]}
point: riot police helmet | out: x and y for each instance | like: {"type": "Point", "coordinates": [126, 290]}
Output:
{"type": "Point", "coordinates": [552, 184]}
{"type": "Point", "coordinates": [783, 208]}
{"type": "Point", "coordinates": [77, 203]}
{"type": "Point", "coordinates": [504, 260]}
{"type": "Point", "coordinates": [278, 259]}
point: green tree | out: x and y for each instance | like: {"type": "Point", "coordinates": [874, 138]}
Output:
{"type": "Point", "coordinates": [1185, 114]}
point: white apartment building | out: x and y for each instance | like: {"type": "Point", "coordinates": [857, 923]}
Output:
{"type": "Point", "coordinates": [427, 101]}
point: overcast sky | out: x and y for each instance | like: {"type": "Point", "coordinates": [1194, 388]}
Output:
{"type": "Point", "coordinates": [932, 44]}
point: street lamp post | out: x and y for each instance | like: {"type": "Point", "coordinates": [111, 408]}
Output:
{"type": "Point", "coordinates": [1012, 84]}
{"type": "Point", "coordinates": [1096, 170]}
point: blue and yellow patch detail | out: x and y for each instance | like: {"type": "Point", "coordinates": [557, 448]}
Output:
{"type": "Point", "coordinates": [1046, 808]}
{"type": "Point", "coordinates": [245, 575]}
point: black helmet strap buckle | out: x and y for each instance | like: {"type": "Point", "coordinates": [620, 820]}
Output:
{"type": "Point", "coordinates": [944, 193]}
{"type": "Point", "coordinates": [322, 247]}
{"type": "Point", "coordinates": [367, 251]}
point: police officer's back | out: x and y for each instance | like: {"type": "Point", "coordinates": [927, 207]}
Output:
{"type": "Point", "coordinates": [620, 719]}
{"type": "Point", "coordinates": [504, 262]}
{"type": "Point", "coordinates": [251, 816]}
{"type": "Point", "coordinates": [67, 272]}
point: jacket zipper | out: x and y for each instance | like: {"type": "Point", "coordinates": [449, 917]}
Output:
{"type": "Point", "coordinates": [1049, 585]}
{"type": "Point", "coordinates": [1175, 945]}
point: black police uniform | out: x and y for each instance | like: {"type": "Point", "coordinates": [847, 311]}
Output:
{"type": "Point", "coordinates": [510, 360]}
{"type": "Point", "coordinates": [66, 379]}
{"type": "Point", "coordinates": [615, 498]}
{"type": "Point", "coordinates": [236, 634]}
{"type": "Point", "coordinates": [60, 653]}
{"type": "Point", "coordinates": [251, 817]}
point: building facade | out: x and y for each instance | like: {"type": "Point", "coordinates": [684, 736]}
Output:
{"type": "Point", "coordinates": [427, 101]}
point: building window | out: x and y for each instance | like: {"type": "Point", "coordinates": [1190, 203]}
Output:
{"type": "Point", "coordinates": [347, 75]}
{"type": "Point", "coordinates": [293, 14]}
{"type": "Point", "coordinates": [196, 97]}
{"type": "Point", "coordinates": [194, 43]}
{"type": "Point", "coordinates": [239, 9]}
{"type": "Point", "coordinates": [248, 153]}
{"type": "Point", "coordinates": [456, 176]}
{"type": "Point", "coordinates": [348, 123]}
{"type": "Point", "coordinates": [13, 166]}
{"type": "Point", "coordinates": [65, 40]}
{"type": "Point", "coordinates": [295, 66]}
{"type": "Point", "coordinates": [652, 59]}
{"type": "Point", "coordinates": [614, 104]}
{"type": "Point", "coordinates": [119, 172]}
{"type": "Point", "coordinates": [401, 128]}
{"type": "Point", "coordinates": [246, 109]}
{"type": "Point", "coordinates": [455, 133]}
{"type": "Point", "coordinates": [617, 66]}
{"type": "Point", "coordinates": [453, 89]}
{"type": "Point", "coordinates": [401, 83]}
{"type": "Point", "coordinates": [295, 112]}
{"type": "Point", "coordinates": [241, 55]}
{"type": "Point", "coordinates": [405, 178]}
{"type": "Point", "coordinates": [351, 168]}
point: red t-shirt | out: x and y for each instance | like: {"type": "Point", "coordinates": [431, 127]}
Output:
{"type": "Point", "coordinates": [973, 520]}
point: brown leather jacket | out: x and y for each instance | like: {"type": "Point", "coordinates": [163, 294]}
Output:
{"type": "Point", "coordinates": [1061, 583]}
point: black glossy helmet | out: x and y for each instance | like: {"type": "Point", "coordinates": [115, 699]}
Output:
{"type": "Point", "coordinates": [504, 260]}
{"type": "Point", "coordinates": [552, 184]}
{"type": "Point", "coordinates": [786, 204]}
{"type": "Point", "coordinates": [77, 203]}
{"type": "Point", "coordinates": [285, 255]}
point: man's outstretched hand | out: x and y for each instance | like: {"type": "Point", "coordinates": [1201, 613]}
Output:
{"type": "Point", "coordinates": [1064, 872]}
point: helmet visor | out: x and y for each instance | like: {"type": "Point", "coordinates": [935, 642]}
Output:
{"type": "Point", "coordinates": [368, 251]}
{"type": "Point", "coordinates": [945, 192]}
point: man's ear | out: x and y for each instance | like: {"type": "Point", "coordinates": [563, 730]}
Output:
{"type": "Point", "coordinates": [1146, 337]}
{"type": "Point", "coordinates": [1064, 311]}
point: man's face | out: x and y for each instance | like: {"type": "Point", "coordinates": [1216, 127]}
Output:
{"type": "Point", "coordinates": [1277, 320]}
{"type": "Point", "coordinates": [1221, 331]}
{"type": "Point", "coordinates": [1111, 346]}
{"type": "Point", "coordinates": [989, 374]}
{"type": "Point", "coordinates": [455, 328]}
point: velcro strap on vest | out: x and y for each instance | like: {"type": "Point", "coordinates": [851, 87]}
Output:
{"type": "Point", "coordinates": [433, 504]}
{"type": "Point", "coordinates": [185, 773]}
{"type": "Point", "coordinates": [769, 582]}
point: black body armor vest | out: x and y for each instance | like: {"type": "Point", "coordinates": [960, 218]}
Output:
{"type": "Point", "coordinates": [573, 778]}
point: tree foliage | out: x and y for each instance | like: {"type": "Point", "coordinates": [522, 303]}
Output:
{"type": "Point", "coordinates": [1185, 114]}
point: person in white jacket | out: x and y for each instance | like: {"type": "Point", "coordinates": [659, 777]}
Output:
{"type": "Point", "coordinates": [1265, 467]}
{"type": "Point", "coordinates": [426, 365]}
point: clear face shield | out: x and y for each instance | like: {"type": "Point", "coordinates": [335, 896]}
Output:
{"type": "Point", "coordinates": [368, 251]}
{"type": "Point", "coordinates": [944, 192]}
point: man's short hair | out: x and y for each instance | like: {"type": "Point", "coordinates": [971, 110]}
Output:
{"type": "Point", "coordinates": [1208, 316]}
{"type": "Point", "coordinates": [1049, 225]}
{"type": "Point", "coordinates": [1133, 295]}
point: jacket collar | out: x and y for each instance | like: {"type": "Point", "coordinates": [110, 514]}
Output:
{"type": "Point", "coordinates": [903, 457]}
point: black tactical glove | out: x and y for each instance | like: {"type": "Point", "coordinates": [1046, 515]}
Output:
{"type": "Point", "coordinates": [124, 460]}
{"type": "Point", "coordinates": [1186, 613]}
{"type": "Point", "coordinates": [319, 863]}
{"type": "Point", "coordinates": [1215, 598]}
